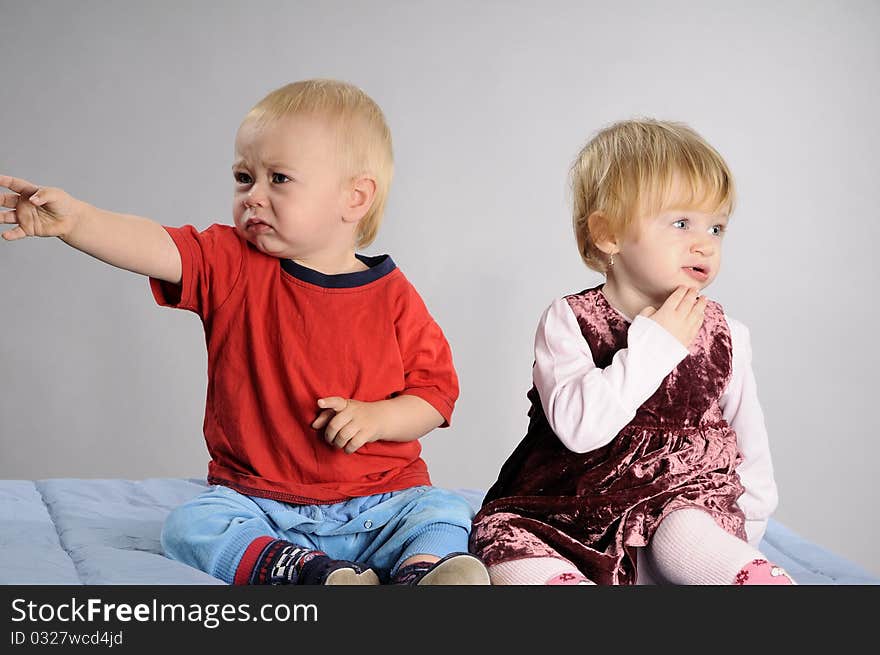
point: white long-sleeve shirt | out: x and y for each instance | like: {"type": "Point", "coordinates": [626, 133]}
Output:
{"type": "Point", "coordinates": [587, 406]}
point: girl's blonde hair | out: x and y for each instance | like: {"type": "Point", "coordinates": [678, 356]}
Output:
{"type": "Point", "coordinates": [639, 168]}
{"type": "Point", "coordinates": [363, 136]}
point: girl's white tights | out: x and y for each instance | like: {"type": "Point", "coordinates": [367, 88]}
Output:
{"type": "Point", "coordinates": [536, 571]}
{"type": "Point", "coordinates": [688, 548]}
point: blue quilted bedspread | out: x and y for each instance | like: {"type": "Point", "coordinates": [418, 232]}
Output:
{"type": "Point", "coordinates": [77, 531]}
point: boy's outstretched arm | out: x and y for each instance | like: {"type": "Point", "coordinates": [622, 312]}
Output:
{"type": "Point", "coordinates": [134, 243]}
{"type": "Point", "coordinates": [352, 423]}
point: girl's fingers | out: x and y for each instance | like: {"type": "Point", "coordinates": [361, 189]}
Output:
{"type": "Point", "coordinates": [696, 317]}
{"type": "Point", "coordinates": [675, 297]}
{"type": "Point", "coordinates": [8, 217]}
{"type": "Point", "coordinates": [689, 302]}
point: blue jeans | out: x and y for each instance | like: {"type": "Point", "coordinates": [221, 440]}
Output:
{"type": "Point", "coordinates": [212, 531]}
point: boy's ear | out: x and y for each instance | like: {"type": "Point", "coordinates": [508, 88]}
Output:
{"type": "Point", "coordinates": [359, 198]}
{"type": "Point", "coordinates": [603, 236]}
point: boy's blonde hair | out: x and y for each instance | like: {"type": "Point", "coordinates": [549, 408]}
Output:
{"type": "Point", "coordinates": [363, 136]}
{"type": "Point", "coordinates": [639, 168]}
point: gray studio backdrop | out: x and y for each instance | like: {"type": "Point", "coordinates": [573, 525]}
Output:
{"type": "Point", "coordinates": [133, 107]}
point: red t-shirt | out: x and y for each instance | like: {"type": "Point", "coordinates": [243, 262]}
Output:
{"type": "Point", "coordinates": [280, 336]}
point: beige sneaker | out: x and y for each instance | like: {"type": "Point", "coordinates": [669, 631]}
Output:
{"type": "Point", "coordinates": [455, 569]}
{"type": "Point", "coordinates": [347, 575]}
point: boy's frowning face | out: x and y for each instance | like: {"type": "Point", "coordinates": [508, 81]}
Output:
{"type": "Point", "coordinates": [289, 188]}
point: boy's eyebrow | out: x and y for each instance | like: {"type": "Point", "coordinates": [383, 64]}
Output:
{"type": "Point", "coordinates": [272, 164]}
{"type": "Point", "coordinates": [279, 164]}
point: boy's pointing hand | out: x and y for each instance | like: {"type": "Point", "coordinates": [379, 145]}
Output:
{"type": "Point", "coordinates": [36, 211]}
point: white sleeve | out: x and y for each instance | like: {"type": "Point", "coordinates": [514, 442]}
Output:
{"type": "Point", "coordinates": [587, 406]}
{"type": "Point", "coordinates": [741, 409]}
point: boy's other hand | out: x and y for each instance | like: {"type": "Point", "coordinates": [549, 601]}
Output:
{"type": "Point", "coordinates": [350, 423]}
{"type": "Point", "coordinates": [36, 211]}
{"type": "Point", "coordinates": [681, 314]}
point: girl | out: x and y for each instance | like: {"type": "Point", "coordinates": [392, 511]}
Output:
{"type": "Point", "coordinates": [646, 441]}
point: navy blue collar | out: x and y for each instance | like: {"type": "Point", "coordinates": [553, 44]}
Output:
{"type": "Point", "coordinates": [379, 266]}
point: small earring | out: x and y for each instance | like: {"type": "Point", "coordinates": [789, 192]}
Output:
{"type": "Point", "coordinates": [611, 260]}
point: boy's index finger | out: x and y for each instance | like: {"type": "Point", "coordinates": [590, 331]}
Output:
{"type": "Point", "coordinates": [322, 419]}
{"type": "Point", "coordinates": [335, 403]}
{"type": "Point", "coordinates": [17, 184]}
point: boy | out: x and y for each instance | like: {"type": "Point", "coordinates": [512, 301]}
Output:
{"type": "Point", "coordinates": [324, 366]}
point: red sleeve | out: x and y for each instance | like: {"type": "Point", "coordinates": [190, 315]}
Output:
{"type": "Point", "coordinates": [211, 263]}
{"type": "Point", "coordinates": [427, 358]}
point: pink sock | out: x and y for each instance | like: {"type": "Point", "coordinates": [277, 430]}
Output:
{"type": "Point", "coordinates": [568, 578]}
{"type": "Point", "coordinates": [762, 572]}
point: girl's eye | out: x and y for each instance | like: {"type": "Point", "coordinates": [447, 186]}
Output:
{"type": "Point", "coordinates": [681, 224]}
{"type": "Point", "coordinates": [242, 178]}
{"type": "Point", "coordinates": [278, 178]}
{"type": "Point", "coordinates": [717, 230]}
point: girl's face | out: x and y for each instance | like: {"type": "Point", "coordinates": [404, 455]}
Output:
{"type": "Point", "coordinates": [673, 248]}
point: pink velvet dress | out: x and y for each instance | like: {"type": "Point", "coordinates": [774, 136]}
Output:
{"type": "Point", "coordinates": [594, 508]}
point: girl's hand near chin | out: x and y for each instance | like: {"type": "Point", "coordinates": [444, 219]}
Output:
{"type": "Point", "coordinates": [681, 314]}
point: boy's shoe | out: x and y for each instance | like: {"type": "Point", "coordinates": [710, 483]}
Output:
{"type": "Point", "coordinates": [285, 563]}
{"type": "Point", "coordinates": [454, 569]}
{"type": "Point", "coordinates": [326, 571]}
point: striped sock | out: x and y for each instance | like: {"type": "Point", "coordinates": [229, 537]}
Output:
{"type": "Point", "coordinates": [282, 562]}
